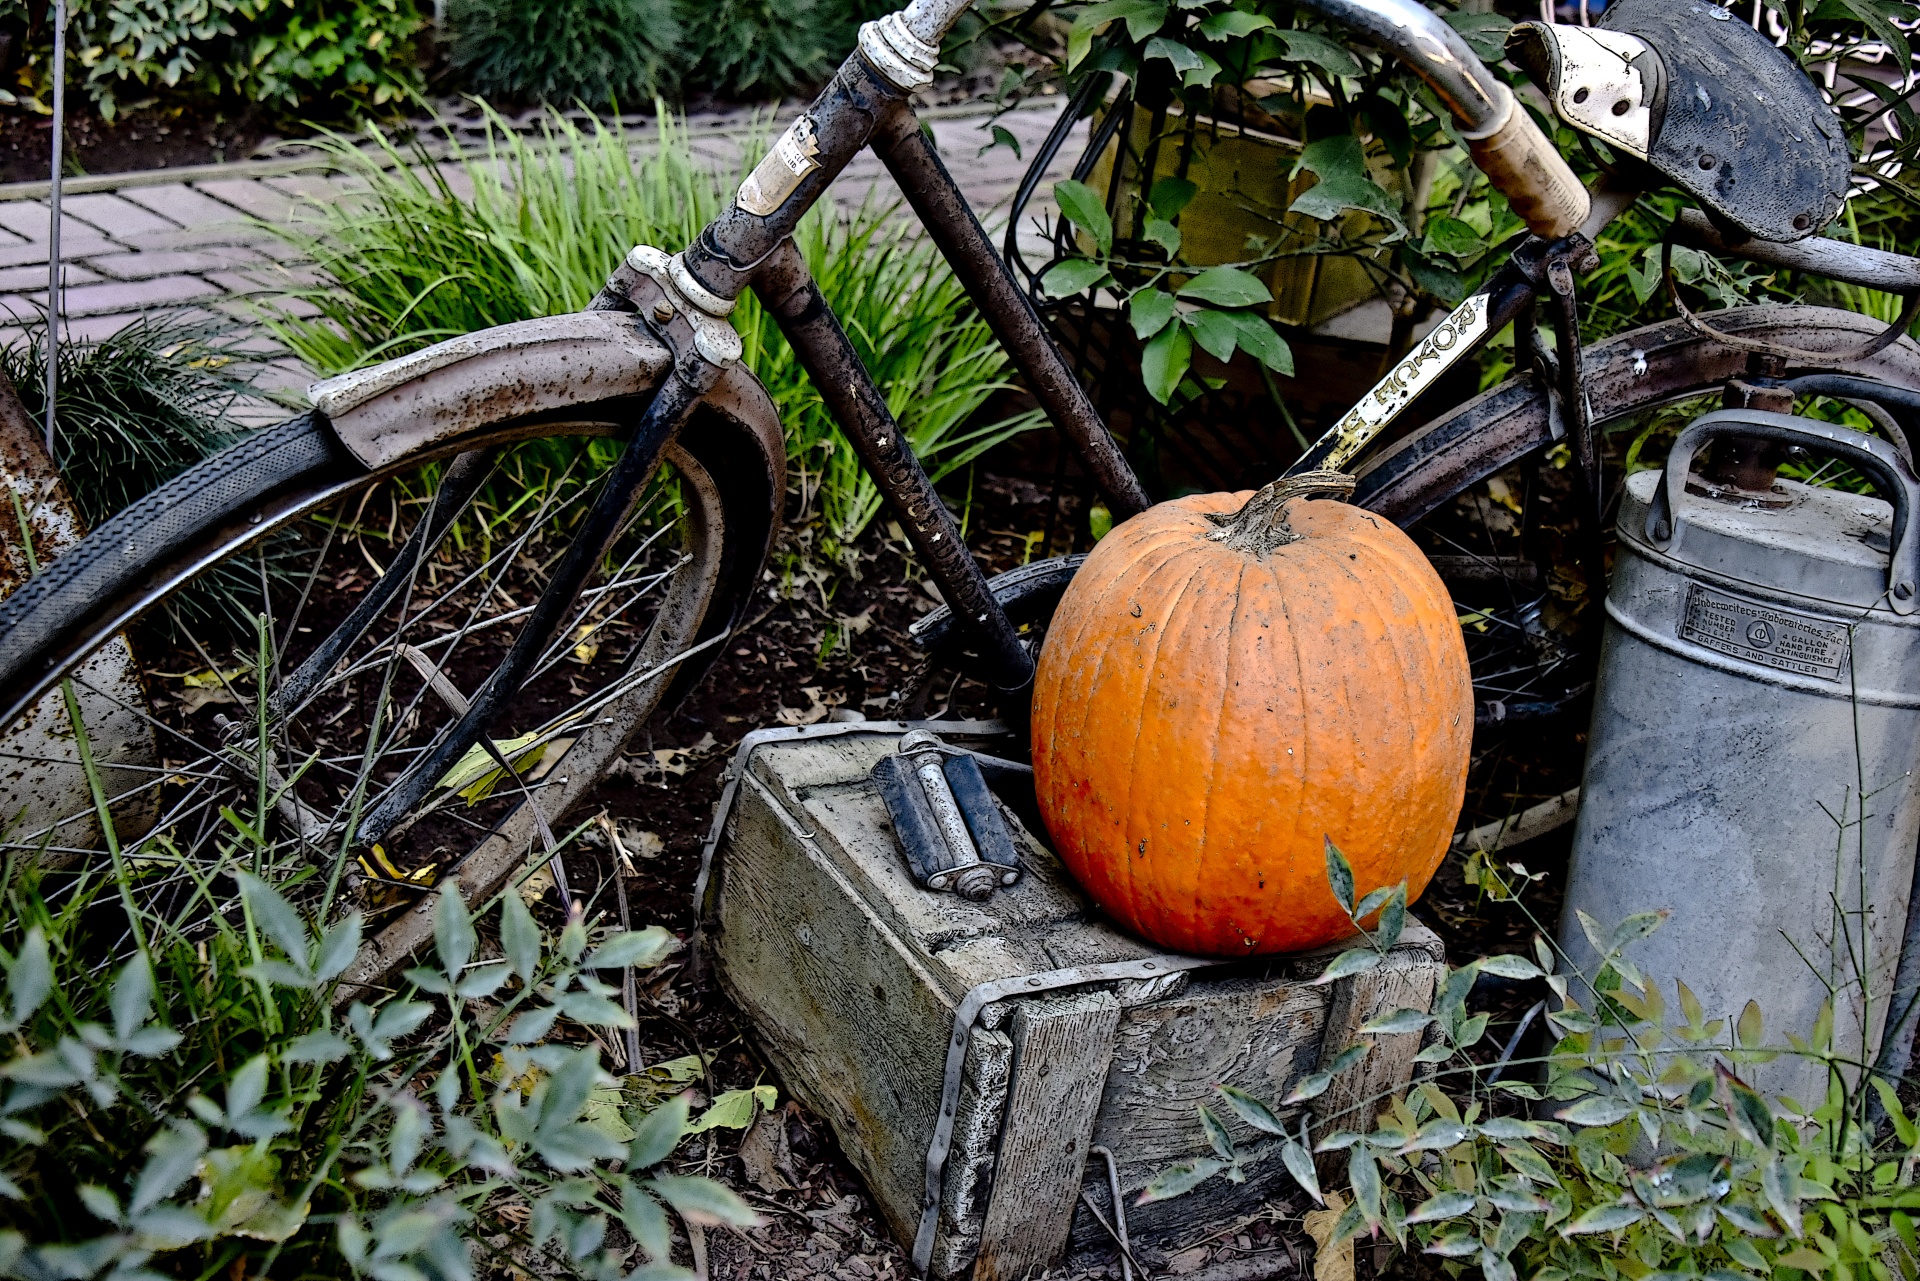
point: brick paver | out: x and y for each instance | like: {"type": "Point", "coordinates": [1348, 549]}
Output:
{"type": "Point", "coordinates": [154, 246]}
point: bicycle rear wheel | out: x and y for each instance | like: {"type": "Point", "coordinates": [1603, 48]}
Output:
{"type": "Point", "coordinates": [303, 629]}
{"type": "Point", "coordinates": [1475, 489]}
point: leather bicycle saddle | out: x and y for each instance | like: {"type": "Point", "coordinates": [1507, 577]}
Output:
{"type": "Point", "coordinates": [1704, 99]}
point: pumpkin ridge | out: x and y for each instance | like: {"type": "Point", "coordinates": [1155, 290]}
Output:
{"type": "Point", "coordinates": [1202, 856]}
{"type": "Point", "coordinates": [1304, 769]}
{"type": "Point", "coordinates": [1139, 724]}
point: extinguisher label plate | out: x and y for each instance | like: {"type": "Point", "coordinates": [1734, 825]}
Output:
{"type": "Point", "coordinates": [1764, 634]}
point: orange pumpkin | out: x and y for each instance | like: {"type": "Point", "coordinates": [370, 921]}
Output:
{"type": "Point", "coordinates": [1229, 681]}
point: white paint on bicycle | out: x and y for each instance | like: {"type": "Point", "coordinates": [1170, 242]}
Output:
{"type": "Point", "coordinates": [780, 170]}
{"type": "Point", "coordinates": [1462, 331]}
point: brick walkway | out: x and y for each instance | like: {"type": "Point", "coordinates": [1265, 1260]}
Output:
{"type": "Point", "coordinates": [138, 243]}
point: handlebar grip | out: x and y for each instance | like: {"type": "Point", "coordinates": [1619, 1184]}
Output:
{"type": "Point", "coordinates": [1523, 165]}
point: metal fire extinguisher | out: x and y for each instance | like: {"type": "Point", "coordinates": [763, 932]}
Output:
{"type": "Point", "coordinates": [1756, 731]}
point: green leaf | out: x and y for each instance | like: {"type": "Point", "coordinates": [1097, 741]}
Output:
{"type": "Point", "coordinates": [1453, 238]}
{"type": "Point", "coordinates": [1165, 361]}
{"type": "Point", "coordinates": [275, 917]}
{"type": "Point", "coordinates": [644, 1218]}
{"type": "Point", "coordinates": [1233, 24]}
{"type": "Point", "coordinates": [1002, 137]}
{"type": "Point", "coordinates": [1438, 1052]}
{"type": "Point", "coordinates": [1259, 340]}
{"type": "Point", "coordinates": [1217, 1136]}
{"type": "Point", "coordinates": [453, 936]}
{"type": "Point", "coordinates": [1308, 46]}
{"type": "Point", "coordinates": [1085, 210]}
{"type": "Point", "coordinates": [1162, 233]}
{"type": "Point", "coordinates": [519, 936]}
{"type": "Point", "coordinates": [319, 1046]}
{"type": "Point", "coordinates": [1143, 17]}
{"type": "Point", "coordinates": [1782, 1188]}
{"type": "Point", "coordinates": [640, 948]}
{"type": "Point", "coordinates": [1074, 276]}
{"type": "Point", "coordinates": [1446, 1205]}
{"type": "Point", "coordinates": [1079, 44]}
{"type": "Point", "coordinates": [1596, 1109]}
{"type": "Point", "coordinates": [1216, 333]}
{"type": "Point", "coordinates": [1300, 1166]}
{"type": "Point", "coordinates": [1182, 58]}
{"type": "Point", "coordinates": [1148, 311]}
{"type": "Point", "coordinates": [1251, 1110]}
{"type": "Point", "coordinates": [1471, 1031]}
{"type": "Point", "coordinates": [1509, 966]}
{"type": "Point", "coordinates": [1437, 1136]}
{"type": "Point", "coordinates": [1363, 1176]}
{"type": "Point", "coordinates": [1354, 961]}
{"type": "Point", "coordinates": [30, 978]}
{"type": "Point", "coordinates": [1485, 33]}
{"type": "Point", "coordinates": [1180, 1179]}
{"type": "Point", "coordinates": [1752, 1120]}
{"type": "Point", "coordinates": [1750, 1028]}
{"type": "Point", "coordinates": [1170, 195]}
{"type": "Point", "coordinates": [132, 998]}
{"type": "Point", "coordinates": [658, 1133]}
{"type": "Point", "coordinates": [1603, 1218]}
{"type": "Point", "coordinates": [703, 1201]}
{"type": "Point", "coordinates": [735, 1109]}
{"type": "Point", "coordinates": [1339, 875]}
{"type": "Point", "coordinates": [1633, 929]}
{"type": "Point", "coordinates": [1454, 1243]}
{"type": "Point", "coordinates": [1344, 183]}
{"type": "Point", "coordinates": [337, 948]}
{"type": "Point", "coordinates": [1393, 919]}
{"type": "Point", "coordinates": [1202, 76]}
{"type": "Point", "coordinates": [172, 1155]}
{"type": "Point", "coordinates": [1528, 1162]}
{"type": "Point", "coordinates": [1311, 1086]}
{"type": "Point", "coordinates": [1396, 1023]}
{"type": "Point", "coordinates": [1226, 287]}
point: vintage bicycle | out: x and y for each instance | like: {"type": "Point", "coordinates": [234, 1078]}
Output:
{"type": "Point", "coordinates": [401, 709]}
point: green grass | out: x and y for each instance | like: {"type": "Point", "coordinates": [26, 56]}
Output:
{"type": "Point", "coordinates": [415, 260]}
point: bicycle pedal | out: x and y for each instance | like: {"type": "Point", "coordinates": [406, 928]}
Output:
{"type": "Point", "coordinates": [948, 824]}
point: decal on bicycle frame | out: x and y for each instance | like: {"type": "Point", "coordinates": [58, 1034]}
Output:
{"type": "Point", "coordinates": [1463, 330]}
{"type": "Point", "coordinates": [780, 170]}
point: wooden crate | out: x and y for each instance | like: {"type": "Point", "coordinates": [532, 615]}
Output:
{"type": "Point", "coordinates": [851, 975]}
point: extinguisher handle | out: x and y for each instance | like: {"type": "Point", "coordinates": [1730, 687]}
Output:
{"type": "Point", "coordinates": [1873, 457]}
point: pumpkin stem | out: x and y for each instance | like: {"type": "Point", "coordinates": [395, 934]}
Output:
{"type": "Point", "coordinates": [1261, 525]}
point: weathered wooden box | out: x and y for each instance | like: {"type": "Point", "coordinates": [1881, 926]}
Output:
{"type": "Point", "coordinates": [852, 975]}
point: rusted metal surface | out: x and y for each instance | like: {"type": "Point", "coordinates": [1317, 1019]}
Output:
{"type": "Point", "coordinates": [788, 291]}
{"type": "Point", "coordinates": [1819, 256]}
{"type": "Point", "coordinates": [438, 394]}
{"type": "Point", "coordinates": [1640, 369]}
{"type": "Point", "coordinates": [45, 797]}
{"type": "Point", "coordinates": [930, 189]}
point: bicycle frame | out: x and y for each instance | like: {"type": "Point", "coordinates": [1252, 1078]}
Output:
{"type": "Point", "coordinates": [685, 300]}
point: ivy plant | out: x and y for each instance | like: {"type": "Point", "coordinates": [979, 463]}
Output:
{"type": "Point", "coordinates": [1635, 1146]}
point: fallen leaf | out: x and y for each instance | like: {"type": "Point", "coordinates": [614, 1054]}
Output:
{"type": "Point", "coordinates": [475, 774]}
{"type": "Point", "coordinates": [764, 1150]}
{"type": "Point", "coordinates": [1335, 1264]}
{"type": "Point", "coordinates": [1189, 1260]}
{"type": "Point", "coordinates": [585, 649]}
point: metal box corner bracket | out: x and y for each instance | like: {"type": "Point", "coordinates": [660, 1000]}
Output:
{"type": "Point", "coordinates": [970, 1055]}
{"type": "Point", "coordinates": [1756, 680]}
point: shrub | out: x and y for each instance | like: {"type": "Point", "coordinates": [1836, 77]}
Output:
{"type": "Point", "coordinates": [742, 48]}
{"type": "Point", "coordinates": [595, 51]}
{"type": "Point", "coordinates": [289, 53]}
{"type": "Point", "coordinates": [196, 1106]}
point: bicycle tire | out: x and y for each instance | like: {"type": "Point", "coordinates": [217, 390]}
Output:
{"type": "Point", "coordinates": [1629, 373]}
{"type": "Point", "coordinates": [729, 484]}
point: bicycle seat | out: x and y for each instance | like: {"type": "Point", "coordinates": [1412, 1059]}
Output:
{"type": "Point", "coordinates": [1704, 99]}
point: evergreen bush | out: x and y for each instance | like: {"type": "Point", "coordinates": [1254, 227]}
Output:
{"type": "Point", "coordinates": [593, 51]}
